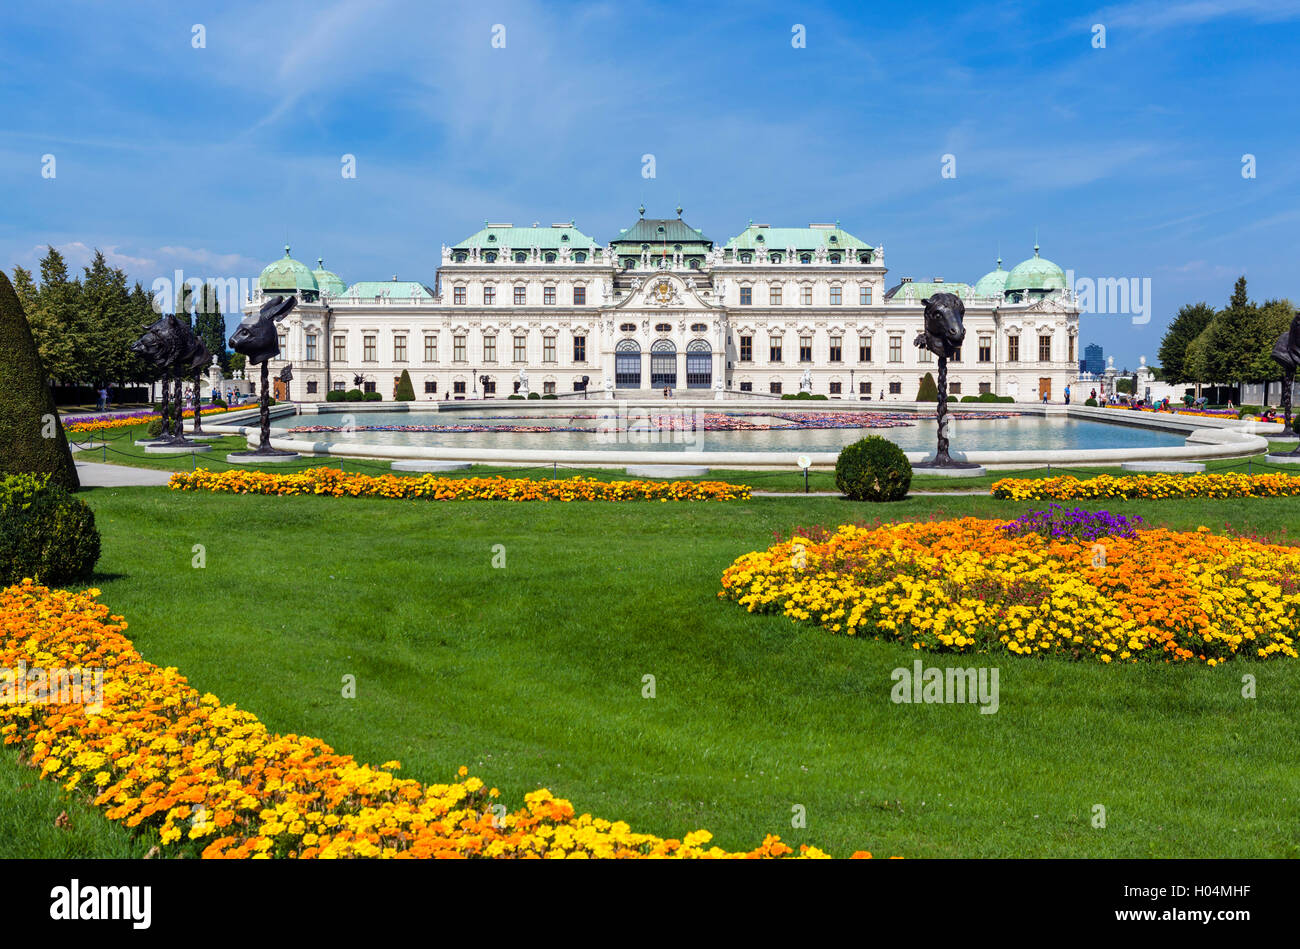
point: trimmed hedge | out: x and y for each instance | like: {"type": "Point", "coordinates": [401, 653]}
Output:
{"type": "Point", "coordinates": [928, 391]}
{"type": "Point", "coordinates": [405, 390]}
{"type": "Point", "coordinates": [32, 440]}
{"type": "Point", "coordinates": [372, 397]}
{"type": "Point", "coordinates": [984, 397]}
{"type": "Point", "coordinates": [336, 395]}
{"type": "Point", "coordinates": [46, 534]}
{"type": "Point", "coordinates": [535, 395]}
{"type": "Point", "coordinates": [354, 395]}
{"type": "Point", "coordinates": [873, 469]}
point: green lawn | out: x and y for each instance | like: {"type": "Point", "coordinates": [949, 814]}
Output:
{"type": "Point", "coordinates": [532, 675]}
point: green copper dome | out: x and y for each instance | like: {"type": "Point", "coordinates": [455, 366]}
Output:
{"type": "Point", "coordinates": [992, 284]}
{"type": "Point", "coordinates": [287, 275]}
{"type": "Point", "coordinates": [327, 281]}
{"type": "Point", "coordinates": [1035, 274]}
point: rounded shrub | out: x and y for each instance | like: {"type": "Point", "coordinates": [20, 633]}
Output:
{"type": "Point", "coordinates": [372, 397]}
{"type": "Point", "coordinates": [335, 395]}
{"type": "Point", "coordinates": [550, 395]}
{"type": "Point", "coordinates": [52, 540]}
{"type": "Point", "coordinates": [155, 427]}
{"type": "Point", "coordinates": [1090, 401]}
{"type": "Point", "coordinates": [514, 395]}
{"type": "Point", "coordinates": [534, 395]}
{"type": "Point", "coordinates": [873, 469]}
{"type": "Point", "coordinates": [353, 395]}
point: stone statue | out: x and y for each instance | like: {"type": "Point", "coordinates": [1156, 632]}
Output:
{"type": "Point", "coordinates": [943, 335]}
{"type": "Point", "coordinates": [257, 340]}
{"type": "Point", "coordinates": [805, 383]}
{"type": "Point", "coordinates": [523, 383]}
{"type": "Point", "coordinates": [1286, 353]}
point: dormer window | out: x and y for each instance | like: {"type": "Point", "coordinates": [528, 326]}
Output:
{"type": "Point", "coordinates": [492, 238]}
{"type": "Point", "coordinates": [695, 265]}
{"type": "Point", "coordinates": [775, 258]}
{"type": "Point", "coordinates": [835, 258]}
{"type": "Point", "coordinates": [864, 258]}
{"type": "Point", "coordinates": [759, 238]}
{"type": "Point", "coordinates": [805, 258]}
{"type": "Point", "coordinates": [746, 258]}
{"type": "Point", "coordinates": [490, 257]}
{"type": "Point", "coordinates": [461, 258]}
{"type": "Point", "coordinates": [677, 247]}
{"type": "Point", "coordinates": [580, 257]}
{"type": "Point", "coordinates": [832, 239]}
{"type": "Point", "coordinates": [564, 238]}
{"type": "Point", "coordinates": [521, 258]}
{"type": "Point", "coordinates": [550, 258]}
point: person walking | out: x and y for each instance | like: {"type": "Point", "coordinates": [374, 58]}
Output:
{"type": "Point", "coordinates": [1067, 395]}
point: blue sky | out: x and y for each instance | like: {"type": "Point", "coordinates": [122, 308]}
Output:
{"type": "Point", "coordinates": [1127, 159]}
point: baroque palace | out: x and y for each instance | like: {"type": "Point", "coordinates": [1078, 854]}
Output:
{"type": "Point", "coordinates": [539, 309]}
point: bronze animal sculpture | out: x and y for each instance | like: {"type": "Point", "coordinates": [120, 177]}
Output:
{"type": "Point", "coordinates": [942, 335]}
{"type": "Point", "coordinates": [1286, 353]}
{"type": "Point", "coordinates": [169, 348]}
{"type": "Point", "coordinates": [257, 340]}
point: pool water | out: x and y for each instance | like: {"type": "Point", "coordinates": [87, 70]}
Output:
{"type": "Point", "coordinates": [670, 430]}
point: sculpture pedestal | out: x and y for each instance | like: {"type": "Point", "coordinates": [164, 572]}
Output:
{"type": "Point", "coordinates": [175, 448]}
{"type": "Point", "coordinates": [259, 458]}
{"type": "Point", "coordinates": [1288, 459]}
{"type": "Point", "coordinates": [959, 469]}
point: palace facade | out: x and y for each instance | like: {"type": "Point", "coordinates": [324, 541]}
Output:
{"type": "Point", "coordinates": [541, 309]}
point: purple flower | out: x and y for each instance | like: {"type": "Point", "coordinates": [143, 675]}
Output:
{"type": "Point", "coordinates": [1056, 523]}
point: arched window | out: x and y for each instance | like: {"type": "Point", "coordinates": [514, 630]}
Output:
{"type": "Point", "coordinates": [663, 327]}
{"type": "Point", "coordinates": [805, 258]}
{"type": "Point", "coordinates": [580, 257]}
{"type": "Point", "coordinates": [698, 328]}
{"type": "Point", "coordinates": [627, 327]}
{"type": "Point", "coordinates": [835, 258]}
{"type": "Point", "coordinates": [490, 257]}
{"type": "Point", "coordinates": [864, 258]}
{"type": "Point", "coordinates": [627, 364]}
{"type": "Point", "coordinates": [629, 264]}
{"type": "Point", "coordinates": [746, 258]}
{"type": "Point", "coordinates": [699, 363]}
{"type": "Point", "coordinates": [492, 238]}
{"type": "Point", "coordinates": [550, 258]}
{"type": "Point", "coordinates": [461, 258]}
{"type": "Point", "coordinates": [695, 265]}
{"type": "Point", "coordinates": [775, 258]}
{"type": "Point", "coordinates": [663, 364]}
{"type": "Point", "coordinates": [521, 258]}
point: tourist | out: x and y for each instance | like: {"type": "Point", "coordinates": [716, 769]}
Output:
{"type": "Point", "coordinates": [1067, 395]}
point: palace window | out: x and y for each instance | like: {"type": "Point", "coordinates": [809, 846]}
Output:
{"type": "Point", "coordinates": [805, 258]}
{"type": "Point", "coordinates": [368, 387]}
{"type": "Point", "coordinates": [774, 388]}
{"type": "Point", "coordinates": [460, 258]}
{"type": "Point", "coordinates": [311, 347]}
{"type": "Point", "coordinates": [521, 296]}
{"type": "Point", "coordinates": [430, 386]}
{"type": "Point", "coordinates": [548, 388]}
{"type": "Point", "coordinates": [458, 387]}
{"type": "Point", "coordinates": [1072, 349]}
{"type": "Point", "coordinates": [548, 296]}
{"type": "Point", "coordinates": [746, 258]}
{"type": "Point", "coordinates": [340, 386]}
{"type": "Point", "coordinates": [864, 349]}
{"type": "Point", "coordinates": [458, 349]}
{"type": "Point", "coordinates": [924, 355]}
{"type": "Point", "coordinates": [550, 258]}
{"type": "Point", "coordinates": [837, 349]}
{"type": "Point", "coordinates": [747, 387]}
{"type": "Point", "coordinates": [368, 349]}
{"type": "Point", "coordinates": [579, 296]}
{"type": "Point", "coordinates": [458, 295]}
{"type": "Point", "coordinates": [489, 387]}
{"type": "Point", "coordinates": [956, 357]}
{"type": "Point", "coordinates": [1044, 349]}
{"type": "Point", "coordinates": [805, 296]}
{"type": "Point", "coordinates": [864, 388]}
{"type": "Point", "coordinates": [430, 348]}
{"type": "Point", "coordinates": [699, 328]}
{"type": "Point", "coordinates": [489, 349]}
{"type": "Point", "coordinates": [282, 341]}
{"type": "Point", "coordinates": [805, 349]}
{"type": "Point", "coordinates": [835, 388]}
{"type": "Point", "coordinates": [775, 258]}
{"type": "Point", "coordinates": [895, 349]}
{"type": "Point", "coordinates": [489, 295]}
{"type": "Point", "coordinates": [548, 349]}
{"type": "Point", "coordinates": [835, 258]}
{"type": "Point", "coordinates": [774, 349]}
{"type": "Point", "coordinates": [746, 296]}
{"type": "Point", "coordinates": [1013, 349]}
{"type": "Point", "coordinates": [837, 296]}
{"type": "Point", "coordinates": [521, 348]}
{"type": "Point", "coordinates": [663, 327]}
{"type": "Point", "coordinates": [399, 349]}
{"type": "Point", "coordinates": [311, 387]}
{"type": "Point", "coordinates": [340, 349]}
{"type": "Point", "coordinates": [579, 349]}
{"type": "Point", "coordinates": [746, 349]}
{"type": "Point", "coordinates": [864, 296]}
{"type": "Point", "coordinates": [986, 388]}
{"type": "Point", "coordinates": [521, 258]}
{"type": "Point", "coordinates": [774, 296]}
{"type": "Point", "coordinates": [954, 388]}
{"type": "Point", "coordinates": [895, 388]}
{"type": "Point", "coordinates": [864, 259]}
{"type": "Point", "coordinates": [986, 349]}
{"type": "Point", "coordinates": [627, 327]}
{"type": "Point", "coordinates": [581, 258]}
{"type": "Point", "coordinates": [490, 257]}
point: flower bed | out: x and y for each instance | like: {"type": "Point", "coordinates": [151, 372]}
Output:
{"type": "Point", "coordinates": [208, 777]}
{"type": "Point", "coordinates": [971, 585]}
{"type": "Point", "coordinates": [80, 424]}
{"type": "Point", "coordinates": [336, 483]}
{"type": "Point", "coordinates": [1149, 487]}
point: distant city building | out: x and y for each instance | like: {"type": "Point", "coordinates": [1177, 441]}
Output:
{"type": "Point", "coordinates": [1094, 359]}
{"type": "Point", "coordinates": [662, 305]}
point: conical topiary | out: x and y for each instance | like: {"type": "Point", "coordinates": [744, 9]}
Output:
{"type": "Point", "coordinates": [405, 391]}
{"type": "Point", "coordinates": [929, 392]}
{"type": "Point", "coordinates": [31, 434]}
